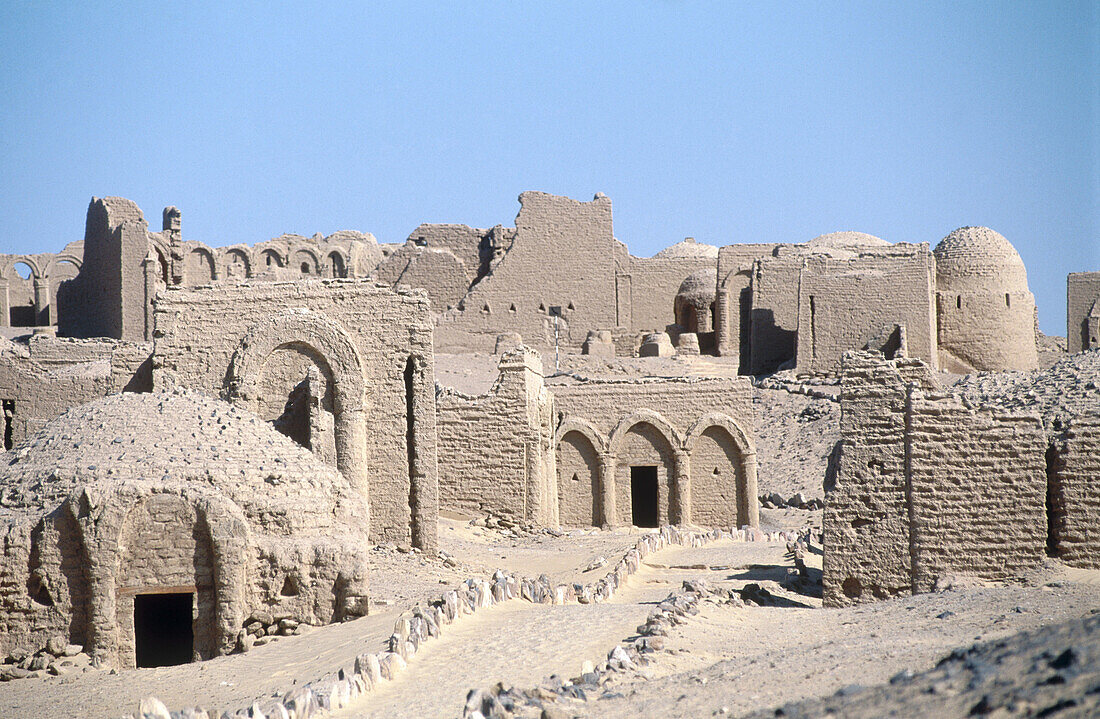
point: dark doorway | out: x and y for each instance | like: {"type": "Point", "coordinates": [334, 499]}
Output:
{"type": "Point", "coordinates": [644, 505]}
{"type": "Point", "coordinates": [163, 634]}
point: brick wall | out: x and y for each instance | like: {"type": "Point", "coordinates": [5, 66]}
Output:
{"type": "Point", "coordinates": [1082, 294]}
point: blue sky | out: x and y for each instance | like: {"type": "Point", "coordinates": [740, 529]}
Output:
{"type": "Point", "coordinates": [729, 122]}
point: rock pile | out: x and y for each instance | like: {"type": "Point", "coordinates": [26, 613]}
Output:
{"type": "Point", "coordinates": [1069, 388]}
{"type": "Point", "coordinates": [57, 658]}
{"type": "Point", "coordinates": [798, 500]}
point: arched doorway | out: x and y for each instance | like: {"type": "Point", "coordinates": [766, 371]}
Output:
{"type": "Point", "coordinates": [644, 476]}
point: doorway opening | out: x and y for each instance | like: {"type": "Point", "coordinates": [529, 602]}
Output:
{"type": "Point", "coordinates": [644, 503]}
{"type": "Point", "coordinates": [163, 632]}
{"type": "Point", "coordinates": [7, 422]}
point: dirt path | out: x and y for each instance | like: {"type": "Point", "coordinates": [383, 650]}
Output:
{"type": "Point", "coordinates": [520, 643]}
{"type": "Point", "coordinates": [232, 682]}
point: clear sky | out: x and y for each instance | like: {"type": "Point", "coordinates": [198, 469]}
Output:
{"type": "Point", "coordinates": [726, 121]}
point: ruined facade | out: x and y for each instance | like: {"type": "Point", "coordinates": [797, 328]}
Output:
{"type": "Point", "coordinates": [365, 356]}
{"type": "Point", "coordinates": [177, 507]}
{"type": "Point", "coordinates": [1083, 311]}
{"type": "Point", "coordinates": [599, 452]}
{"type": "Point", "coordinates": [926, 485]}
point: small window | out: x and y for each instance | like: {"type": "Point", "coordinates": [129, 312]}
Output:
{"type": "Point", "coordinates": [958, 302]}
{"type": "Point", "coordinates": [305, 268]}
{"type": "Point", "coordinates": [486, 310]}
{"type": "Point", "coordinates": [1008, 300]}
{"type": "Point", "coordinates": [421, 241]}
{"type": "Point", "coordinates": [7, 422]}
{"type": "Point", "coordinates": [571, 307]}
{"type": "Point", "coordinates": [512, 309]}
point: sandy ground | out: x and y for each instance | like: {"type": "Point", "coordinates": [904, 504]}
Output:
{"type": "Point", "coordinates": [398, 582]}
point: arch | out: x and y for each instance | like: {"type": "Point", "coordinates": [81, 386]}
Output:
{"type": "Point", "coordinates": [11, 273]}
{"type": "Point", "coordinates": [236, 262]}
{"type": "Point", "coordinates": [57, 260]}
{"type": "Point", "coordinates": [199, 266]}
{"type": "Point", "coordinates": [717, 441]}
{"type": "Point", "coordinates": [575, 424]}
{"type": "Point", "coordinates": [744, 443]}
{"type": "Point", "coordinates": [579, 484]}
{"type": "Point", "coordinates": [216, 523]}
{"type": "Point", "coordinates": [306, 259]}
{"type": "Point", "coordinates": [646, 416]}
{"type": "Point", "coordinates": [337, 264]}
{"type": "Point", "coordinates": [305, 328]}
{"type": "Point", "coordinates": [330, 341]}
{"type": "Point", "coordinates": [271, 258]}
{"type": "Point", "coordinates": [646, 451]}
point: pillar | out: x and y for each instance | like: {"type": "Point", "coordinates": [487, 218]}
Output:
{"type": "Point", "coordinates": [608, 511]}
{"type": "Point", "coordinates": [5, 304]}
{"type": "Point", "coordinates": [42, 302]}
{"type": "Point", "coordinates": [749, 510]}
{"type": "Point", "coordinates": [681, 488]}
{"type": "Point", "coordinates": [150, 266]}
{"type": "Point", "coordinates": [722, 321]}
{"type": "Point", "coordinates": [351, 455]}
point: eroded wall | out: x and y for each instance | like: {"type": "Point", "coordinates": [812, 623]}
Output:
{"type": "Point", "coordinates": [1082, 311]}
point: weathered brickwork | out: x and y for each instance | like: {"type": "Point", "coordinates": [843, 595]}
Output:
{"type": "Point", "coordinates": [375, 344]}
{"type": "Point", "coordinates": [1083, 311]}
{"type": "Point", "coordinates": [495, 449]}
{"type": "Point", "coordinates": [1076, 495]}
{"type": "Point", "coordinates": [145, 494]}
{"type": "Point", "coordinates": [697, 434]}
{"type": "Point", "coordinates": [977, 491]}
{"type": "Point", "coordinates": [927, 486]}
{"type": "Point", "coordinates": [866, 521]}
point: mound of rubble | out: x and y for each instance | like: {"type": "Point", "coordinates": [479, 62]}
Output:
{"type": "Point", "coordinates": [1053, 672]}
{"type": "Point", "coordinates": [1067, 389]}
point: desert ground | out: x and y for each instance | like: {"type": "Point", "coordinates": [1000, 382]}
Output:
{"type": "Point", "coordinates": [741, 651]}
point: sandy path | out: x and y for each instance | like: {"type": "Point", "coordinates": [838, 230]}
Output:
{"type": "Point", "coordinates": [518, 643]}
{"type": "Point", "coordinates": [232, 682]}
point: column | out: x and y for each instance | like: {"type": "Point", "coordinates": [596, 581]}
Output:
{"type": "Point", "coordinates": [608, 511]}
{"type": "Point", "coordinates": [749, 509]}
{"type": "Point", "coordinates": [41, 302]}
{"type": "Point", "coordinates": [149, 265]}
{"type": "Point", "coordinates": [722, 321]}
{"type": "Point", "coordinates": [681, 488]}
{"type": "Point", "coordinates": [5, 304]}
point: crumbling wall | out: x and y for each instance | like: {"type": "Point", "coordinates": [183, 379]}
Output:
{"type": "Point", "coordinates": [569, 247]}
{"type": "Point", "coordinates": [108, 298]}
{"type": "Point", "coordinates": [32, 300]}
{"type": "Point", "coordinates": [866, 520]}
{"type": "Point", "coordinates": [495, 452]}
{"type": "Point", "coordinates": [977, 486]}
{"type": "Point", "coordinates": [655, 281]}
{"type": "Point", "coordinates": [218, 341]}
{"type": "Point", "coordinates": [1082, 311]}
{"type": "Point", "coordinates": [844, 303]}
{"type": "Point", "coordinates": [774, 315]}
{"type": "Point", "coordinates": [1077, 495]}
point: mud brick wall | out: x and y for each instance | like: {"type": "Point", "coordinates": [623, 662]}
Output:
{"type": "Point", "coordinates": [1077, 494]}
{"type": "Point", "coordinates": [200, 330]}
{"type": "Point", "coordinates": [989, 331]}
{"type": "Point", "coordinates": [866, 520]}
{"type": "Point", "coordinates": [844, 303]}
{"type": "Point", "coordinates": [654, 283]}
{"type": "Point", "coordinates": [1082, 295]}
{"type": "Point", "coordinates": [978, 491]}
{"type": "Point", "coordinates": [495, 452]}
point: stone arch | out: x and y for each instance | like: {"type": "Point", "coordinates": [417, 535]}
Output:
{"type": "Point", "coordinates": [338, 263]}
{"type": "Point", "coordinates": [723, 473]}
{"type": "Point", "coordinates": [330, 341]}
{"type": "Point", "coordinates": [57, 260]}
{"type": "Point", "coordinates": [579, 485]}
{"type": "Point", "coordinates": [9, 268]}
{"type": "Point", "coordinates": [236, 262]}
{"type": "Point", "coordinates": [305, 257]}
{"type": "Point", "coordinates": [645, 447]}
{"type": "Point", "coordinates": [271, 258]}
{"type": "Point", "coordinates": [199, 266]}
{"type": "Point", "coordinates": [575, 424]}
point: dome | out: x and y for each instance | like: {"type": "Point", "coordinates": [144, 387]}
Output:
{"type": "Point", "coordinates": [977, 259]}
{"type": "Point", "coordinates": [176, 438]}
{"type": "Point", "coordinates": [840, 244]}
{"type": "Point", "coordinates": [699, 287]}
{"type": "Point", "coordinates": [688, 247]}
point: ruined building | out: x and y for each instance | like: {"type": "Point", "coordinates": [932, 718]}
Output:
{"type": "Point", "coordinates": [575, 452]}
{"type": "Point", "coordinates": [1083, 311]}
{"type": "Point", "coordinates": [982, 480]}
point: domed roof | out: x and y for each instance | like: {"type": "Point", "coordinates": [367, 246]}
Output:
{"type": "Point", "coordinates": [978, 259]}
{"type": "Point", "coordinates": [840, 244]}
{"type": "Point", "coordinates": [173, 438]}
{"type": "Point", "coordinates": [688, 247]}
{"type": "Point", "coordinates": [699, 287]}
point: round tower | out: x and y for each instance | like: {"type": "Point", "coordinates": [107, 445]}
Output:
{"type": "Point", "coordinates": [985, 312]}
